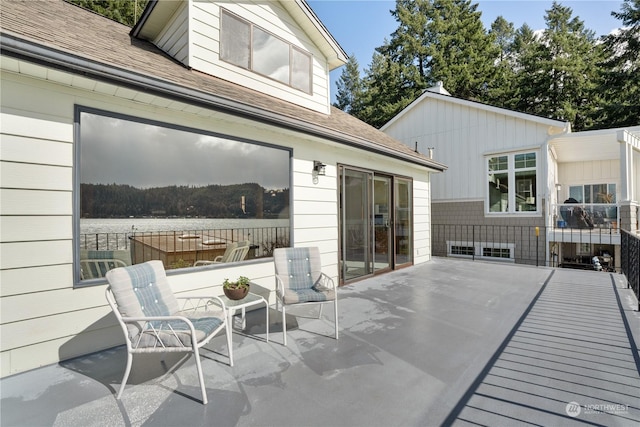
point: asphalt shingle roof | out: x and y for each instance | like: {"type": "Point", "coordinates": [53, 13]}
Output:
{"type": "Point", "coordinates": [81, 35]}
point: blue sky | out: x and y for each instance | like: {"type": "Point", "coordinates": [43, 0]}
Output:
{"type": "Point", "coordinates": [360, 26]}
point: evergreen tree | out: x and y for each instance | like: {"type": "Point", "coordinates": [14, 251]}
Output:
{"type": "Point", "coordinates": [563, 79]}
{"type": "Point", "coordinates": [386, 91]}
{"type": "Point", "coordinates": [443, 40]}
{"type": "Point", "coordinates": [501, 88]}
{"type": "Point", "coordinates": [436, 40]}
{"type": "Point", "coordinates": [350, 90]}
{"type": "Point", "coordinates": [621, 76]}
{"type": "Point", "coordinates": [126, 12]}
{"type": "Point", "coordinates": [527, 75]}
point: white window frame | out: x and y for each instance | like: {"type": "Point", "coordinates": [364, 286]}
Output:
{"type": "Point", "coordinates": [293, 50]}
{"type": "Point", "coordinates": [512, 186]}
{"type": "Point", "coordinates": [478, 250]}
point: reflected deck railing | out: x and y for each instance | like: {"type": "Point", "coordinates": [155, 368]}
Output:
{"type": "Point", "coordinates": [181, 248]}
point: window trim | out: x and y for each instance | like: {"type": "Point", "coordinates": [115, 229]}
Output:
{"type": "Point", "coordinates": [251, 68]}
{"type": "Point", "coordinates": [608, 184]}
{"type": "Point", "coordinates": [511, 172]}
{"type": "Point", "coordinates": [76, 214]}
{"type": "Point", "coordinates": [478, 249]}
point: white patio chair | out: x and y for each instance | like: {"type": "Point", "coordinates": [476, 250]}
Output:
{"type": "Point", "coordinates": [236, 251]}
{"type": "Point", "coordinates": [155, 321]}
{"type": "Point", "coordinates": [299, 281]}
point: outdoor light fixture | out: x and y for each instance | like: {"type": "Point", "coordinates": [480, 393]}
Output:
{"type": "Point", "coordinates": [319, 168]}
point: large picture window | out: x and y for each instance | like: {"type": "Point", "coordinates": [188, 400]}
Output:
{"type": "Point", "coordinates": [512, 183]}
{"type": "Point", "coordinates": [148, 190]}
{"type": "Point", "coordinates": [249, 46]}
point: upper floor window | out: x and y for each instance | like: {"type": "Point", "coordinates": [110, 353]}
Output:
{"type": "Point", "coordinates": [249, 46]}
{"type": "Point", "coordinates": [149, 190]}
{"type": "Point", "coordinates": [512, 185]}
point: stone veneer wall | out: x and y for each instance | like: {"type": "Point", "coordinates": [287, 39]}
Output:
{"type": "Point", "coordinates": [629, 217]}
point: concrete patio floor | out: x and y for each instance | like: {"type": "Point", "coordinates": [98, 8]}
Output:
{"type": "Point", "coordinates": [449, 342]}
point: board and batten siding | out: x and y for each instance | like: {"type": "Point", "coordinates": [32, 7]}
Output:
{"type": "Point", "coordinates": [461, 137]}
{"type": "Point", "coordinates": [204, 50]}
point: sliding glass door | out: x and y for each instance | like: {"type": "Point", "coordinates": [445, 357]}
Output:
{"type": "Point", "coordinates": [403, 222]}
{"type": "Point", "coordinates": [376, 224]}
{"type": "Point", "coordinates": [355, 216]}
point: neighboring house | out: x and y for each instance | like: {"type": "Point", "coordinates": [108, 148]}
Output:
{"type": "Point", "coordinates": [200, 104]}
{"type": "Point", "coordinates": [510, 172]}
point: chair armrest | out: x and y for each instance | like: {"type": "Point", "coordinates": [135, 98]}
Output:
{"type": "Point", "coordinates": [279, 287]}
{"type": "Point", "coordinates": [149, 319]}
{"type": "Point", "coordinates": [201, 303]}
{"type": "Point", "coordinates": [326, 281]}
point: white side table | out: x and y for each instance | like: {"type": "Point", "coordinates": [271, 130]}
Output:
{"type": "Point", "coordinates": [234, 305]}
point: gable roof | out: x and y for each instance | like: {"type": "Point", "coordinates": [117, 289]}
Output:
{"type": "Point", "coordinates": [158, 12]}
{"type": "Point", "coordinates": [442, 96]}
{"type": "Point", "coordinates": [66, 37]}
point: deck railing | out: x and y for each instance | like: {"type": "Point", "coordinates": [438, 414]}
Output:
{"type": "Point", "coordinates": [524, 244]}
{"type": "Point", "coordinates": [182, 248]}
{"type": "Point", "coordinates": [586, 216]}
{"type": "Point", "coordinates": [630, 262]}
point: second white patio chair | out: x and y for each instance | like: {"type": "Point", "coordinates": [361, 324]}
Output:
{"type": "Point", "coordinates": [299, 281]}
{"type": "Point", "coordinates": [155, 321]}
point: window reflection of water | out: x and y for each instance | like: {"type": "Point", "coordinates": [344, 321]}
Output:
{"type": "Point", "coordinates": [129, 225]}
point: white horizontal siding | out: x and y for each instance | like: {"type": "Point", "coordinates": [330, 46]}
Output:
{"type": "Point", "coordinates": [421, 222]}
{"type": "Point", "coordinates": [36, 254]}
{"type": "Point", "coordinates": [35, 228]}
{"type": "Point", "coordinates": [30, 280]}
{"type": "Point", "coordinates": [35, 202]}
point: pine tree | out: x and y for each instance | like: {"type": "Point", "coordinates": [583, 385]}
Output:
{"type": "Point", "coordinates": [501, 89]}
{"type": "Point", "coordinates": [528, 76]}
{"type": "Point", "coordinates": [386, 90]}
{"type": "Point", "coordinates": [350, 90]}
{"type": "Point", "coordinates": [562, 81]}
{"type": "Point", "coordinates": [436, 40]}
{"type": "Point", "coordinates": [126, 12]}
{"type": "Point", "coordinates": [621, 76]}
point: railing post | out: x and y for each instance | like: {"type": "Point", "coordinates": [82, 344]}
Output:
{"type": "Point", "coordinates": [537, 245]}
{"type": "Point", "coordinates": [473, 241]}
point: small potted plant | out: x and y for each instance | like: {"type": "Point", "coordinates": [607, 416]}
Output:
{"type": "Point", "coordinates": [236, 290]}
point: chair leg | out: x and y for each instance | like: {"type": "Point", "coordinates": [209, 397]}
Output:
{"type": "Point", "coordinates": [203, 390]}
{"type": "Point", "coordinates": [320, 311]}
{"type": "Point", "coordinates": [284, 326]}
{"type": "Point", "coordinates": [229, 340]}
{"type": "Point", "coordinates": [335, 306]}
{"type": "Point", "coordinates": [127, 371]}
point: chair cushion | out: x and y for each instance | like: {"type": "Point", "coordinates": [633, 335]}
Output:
{"type": "Point", "coordinates": [298, 268]}
{"type": "Point", "coordinates": [294, 296]}
{"type": "Point", "coordinates": [142, 290]}
{"type": "Point", "coordinates": [175, 333]}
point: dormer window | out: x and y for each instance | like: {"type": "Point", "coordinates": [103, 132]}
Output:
{"type": "Point", "coordinates": [249, 46]}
